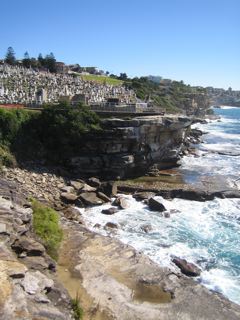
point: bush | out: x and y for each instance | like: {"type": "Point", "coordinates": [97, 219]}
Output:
{"type": "Point", "coordinates": [46, 226]}
{"type": "Point", "coordinates": [6, 158]}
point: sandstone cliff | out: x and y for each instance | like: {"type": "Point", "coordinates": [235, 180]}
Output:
{"type": "Point", "coordinates": [129, 147]}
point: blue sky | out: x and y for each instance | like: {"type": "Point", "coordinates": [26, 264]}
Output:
{"type": "Point", "coordinates": [197, 41]}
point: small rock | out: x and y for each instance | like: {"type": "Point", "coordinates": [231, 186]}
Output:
{"type": "Point", "coordinates": [167, 214]}
{"type": "Point", "coordinates": [67, 189]}
{"type": "Point", "coordinates": [187, 268]}
{"type": "Point", "coordinates": [146, 228]}
{"type": "Point", "coordinates": [110, 225]}
{"type": "Point", "coordinates": [110, 211]}
{"type": "Point", "coordinates": [87, 188]}
{"type": "Point", "coordinates": [77, 185]}
{"type": "Point", "coordinates": [156, 205]}
{"type": "Point", "coordinates": [68, 197]}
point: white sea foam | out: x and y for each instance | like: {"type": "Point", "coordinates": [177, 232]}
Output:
{"type": "Point", "coordinates": [205, 233]}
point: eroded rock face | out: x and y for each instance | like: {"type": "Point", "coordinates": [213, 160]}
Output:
{"type": "Point", "coordinates": [27, 281]}
{"type": "Point", "coordinates": [130, 147]}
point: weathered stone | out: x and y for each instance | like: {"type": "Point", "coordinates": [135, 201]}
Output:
{"type": "Point", "coordinates": [77, 185]}
{"type": "Point", "coordinates": [3, 228]}
{"type": "Point", "coordinates": [140, 196]}
{"type": "Point", "coordinates": [109, 211]}
{"type": "Point", "coordinates": [110, 225]}
{"type": "Point", "coordinates": [28, 245]}
{"type": "Point", "coordinates": [187, 268]}
{"type": "Point", "coordinates": [36, 263]}
{"type": "Point", "coordinates": [68, 197]}
{"type": "Point", "coordinates": [121, 203]}
{"type": "Point", "coordinates": [67, 189]}
{"type": "Point", "coordinates": [94, 182]}
{"type": "Point", "coordinates": [156, 205]}
{"type": "Point", "coordinates": [88, 188]}
{"type": "Point", "coordinates": [103, 196]}
{"type": "Point", "coordinates": [36, 282]}
{"type": "Point", "coordinates": [90, 198]}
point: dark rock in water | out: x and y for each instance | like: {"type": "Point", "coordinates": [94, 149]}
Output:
{"type": "Point", "coordinates": [167, 214]}
{"type": "Point", "coordinates": [187, 268]}
{"type": "Point", "coordinates": [172, 211]}
{"type": "Point", "coordinates": [110, 225]}
{"type": "Point", "coordinates": [68, 197]}
{"type": "Point", "coordinates": [110, 211]}
{"type": "Point", "coordinates": [90, 199]}
{"type": "Point", "coordinates": [146, 228]}
{"type": "Point", "coordinates": [140, 196]}
{"type": "Point", "coordinates": [94, 182]}
{"type": "Point", "coordinates": [121, 203]}
{"type": "Point", "coordinates": [156, 205]}
{"type": "Point", "coordinates": [28, 245]}
{"type": "Point", "coordinates": [104, 197]}
{"type": "Point", "coordinates": [97, 225]}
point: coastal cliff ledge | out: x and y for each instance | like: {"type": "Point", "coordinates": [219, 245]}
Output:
{"type": "Point", "coordinates": [129, 147]}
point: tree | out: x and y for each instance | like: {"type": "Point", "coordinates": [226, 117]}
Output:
{"type": "Point", "coordinates": [26, 60]}
{"type": "Point", "coordinates": [50, 62]}
{"type": "Point", "coordinates": [123, 76]}
{"type": "Point", "coordinates": [41, 60]}
{"type": "Point", "coordinates": [10, 56]}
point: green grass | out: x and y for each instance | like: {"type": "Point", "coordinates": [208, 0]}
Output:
{"type": "Point", "coordinates": [46, 226]}
{"type": "Point", "coordinates": [77, 310]}
{"type": "Point", "coordinates": [102, 79]}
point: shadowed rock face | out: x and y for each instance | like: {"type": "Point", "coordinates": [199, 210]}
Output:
{"type": "Point", "coordinates": [127, 148]}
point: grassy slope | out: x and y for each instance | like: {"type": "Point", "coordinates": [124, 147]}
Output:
{"type": "Point", "coordinates": [101, 79]}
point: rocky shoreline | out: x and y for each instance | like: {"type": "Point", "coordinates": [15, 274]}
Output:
{"type": "Point", "coordinates": [106, 273]}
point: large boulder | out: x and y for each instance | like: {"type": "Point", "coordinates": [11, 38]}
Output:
{"type": "Point", "coordinates": [155, 205]}
{"type": "Point", "coordinates": [187, 268]}
{"type": "Point", "coordinates": [90, 199]}
{"type": "Point", "coordinates": [121, 203]}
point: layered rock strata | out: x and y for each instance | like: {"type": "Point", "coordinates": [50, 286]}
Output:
{"type": "Point", "coordinates": [129, 147]}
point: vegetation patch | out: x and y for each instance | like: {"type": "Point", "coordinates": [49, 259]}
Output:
{"type": "Point", "coordinates": [102, 79]}
{"type": "Point", "coordinates": [6, 157]}
{"type": "Point", "coordinates": [77, 310]}
{"type": "Point", "coordinates": [46, 226]}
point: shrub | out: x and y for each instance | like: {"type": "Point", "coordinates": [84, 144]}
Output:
{"type": "Point", "coordinates": [6, 158]}
{"type": "Point", "coordinates": [46, 226]}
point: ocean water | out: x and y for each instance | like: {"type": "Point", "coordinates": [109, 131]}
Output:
{"type": "Point", "coordinates": [205, 233]}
